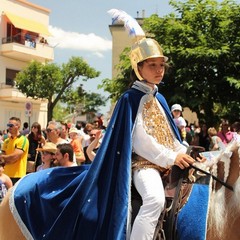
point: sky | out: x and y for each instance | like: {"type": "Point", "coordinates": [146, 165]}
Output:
{"type": "Point", "coordinates": [81, 28]}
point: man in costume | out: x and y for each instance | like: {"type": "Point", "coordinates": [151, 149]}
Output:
{"type": "Point", "coordinates": [93, 202]}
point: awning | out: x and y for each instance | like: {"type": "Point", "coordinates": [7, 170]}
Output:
{"type": "Point", "coordinates": [27, 24]}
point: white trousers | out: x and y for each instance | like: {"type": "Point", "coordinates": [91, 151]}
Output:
{"type": "Point", "coordinates": [149, 184]}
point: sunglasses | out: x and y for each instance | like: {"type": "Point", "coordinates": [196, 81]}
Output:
{"type": "Point", "coordinates": [46, 153]}
{"type": "Point", "coordinates": [10, 125]}
{"type": "Point", "coordinates": [91, 135]}
{"type": "Point", "coordinates": [49, 130]}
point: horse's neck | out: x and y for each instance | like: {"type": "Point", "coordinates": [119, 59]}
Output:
{"type": "Point", "coordinates": [224, 207]}
{"type": "Point", "coordinates": [228, 166]}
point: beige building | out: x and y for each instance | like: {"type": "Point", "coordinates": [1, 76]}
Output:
{"type": "Point", "coordinates": [120, 40]}
{"type": "Point", "coordinates": [23, 26]}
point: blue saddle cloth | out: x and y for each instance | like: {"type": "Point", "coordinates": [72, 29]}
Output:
{"type": "Point", "coordinates": [192, 219]}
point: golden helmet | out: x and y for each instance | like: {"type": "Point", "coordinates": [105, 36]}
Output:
{"type": "Point", "coordinates": [143, 49]}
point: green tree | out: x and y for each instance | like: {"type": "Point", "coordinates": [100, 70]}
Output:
{"type": "Point", "coordinates": [50, 81]}
{"type": "Point", "coordinates": [93, 101]}
{"type": "Point", "coordinates": [122, 81]}
{"type": "Point", "coordinates": [60, 111]}
{"type": "Point", "coordinates": [202, 40]}
{"type": "Point", "coordinates": [88, 102]}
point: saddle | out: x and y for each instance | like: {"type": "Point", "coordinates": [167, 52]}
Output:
{"type": "Point", "coordinates": [177, 188]}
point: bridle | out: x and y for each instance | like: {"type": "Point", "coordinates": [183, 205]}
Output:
{"type": "Point", "coordinates": [194, 151]}
{"type": "Point", "coordinates": [214, 177]}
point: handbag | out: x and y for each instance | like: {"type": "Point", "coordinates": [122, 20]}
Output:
{"type": "Point", "coordinates": [32, 164]}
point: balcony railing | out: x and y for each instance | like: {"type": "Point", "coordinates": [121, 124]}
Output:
{"type": "Point", "coordinates": [27, 40]}
{"type": "Point", "coordinates": [26, 48]}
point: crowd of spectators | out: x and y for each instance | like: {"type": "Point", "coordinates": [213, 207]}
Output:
{"type": "Point", "coordinates": [60, 144]}
{"type": "Point", "coordinates": [211, 137]}
{"type": "Point", "coordinates": [84, 139]}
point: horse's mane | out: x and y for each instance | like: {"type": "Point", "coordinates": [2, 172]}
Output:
{"type": "Point", "coordinates": [224, 206]}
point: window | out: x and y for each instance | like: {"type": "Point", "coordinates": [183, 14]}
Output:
{"type": "Point", "coordinates": [13, 34]}
{"type": "Point", "coordinates": [10, 76]}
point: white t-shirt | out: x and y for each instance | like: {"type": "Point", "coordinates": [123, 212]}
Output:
{"type": "Point", "coordinates": [180, 122]}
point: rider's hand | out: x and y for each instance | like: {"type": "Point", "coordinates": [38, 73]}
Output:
{"type": "Point", "coordinates": [183, 160]}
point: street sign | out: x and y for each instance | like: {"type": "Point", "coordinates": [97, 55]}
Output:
{"type": "Point", "coordinates": [28, 109]}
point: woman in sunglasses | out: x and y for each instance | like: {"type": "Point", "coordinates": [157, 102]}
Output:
{"type": "Point", "coordinates": [36, 140]}
{"type": "Point", "coordinates": [48, 155]}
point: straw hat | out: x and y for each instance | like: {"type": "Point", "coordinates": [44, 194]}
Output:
{"type": "Point", "coordinates": [48, 147]}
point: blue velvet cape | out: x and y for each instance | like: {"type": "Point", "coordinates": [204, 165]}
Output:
{"type": "Point", "coordinates": [81, 203]}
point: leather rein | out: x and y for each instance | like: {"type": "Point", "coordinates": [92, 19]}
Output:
{"type": "Point", "coordinates": [194, 151]}
{"type": "Point", "coordinates": [214, 177]}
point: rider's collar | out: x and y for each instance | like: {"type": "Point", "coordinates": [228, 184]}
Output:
{"type": "Point", "coordinates": [142, 86]}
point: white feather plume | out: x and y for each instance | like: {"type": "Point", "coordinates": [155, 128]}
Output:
{"type": "Point", "coordinates": [130, 23]}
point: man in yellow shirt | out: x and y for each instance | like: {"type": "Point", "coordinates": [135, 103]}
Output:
{"type": "Point", "coordinates": [15, 151]}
